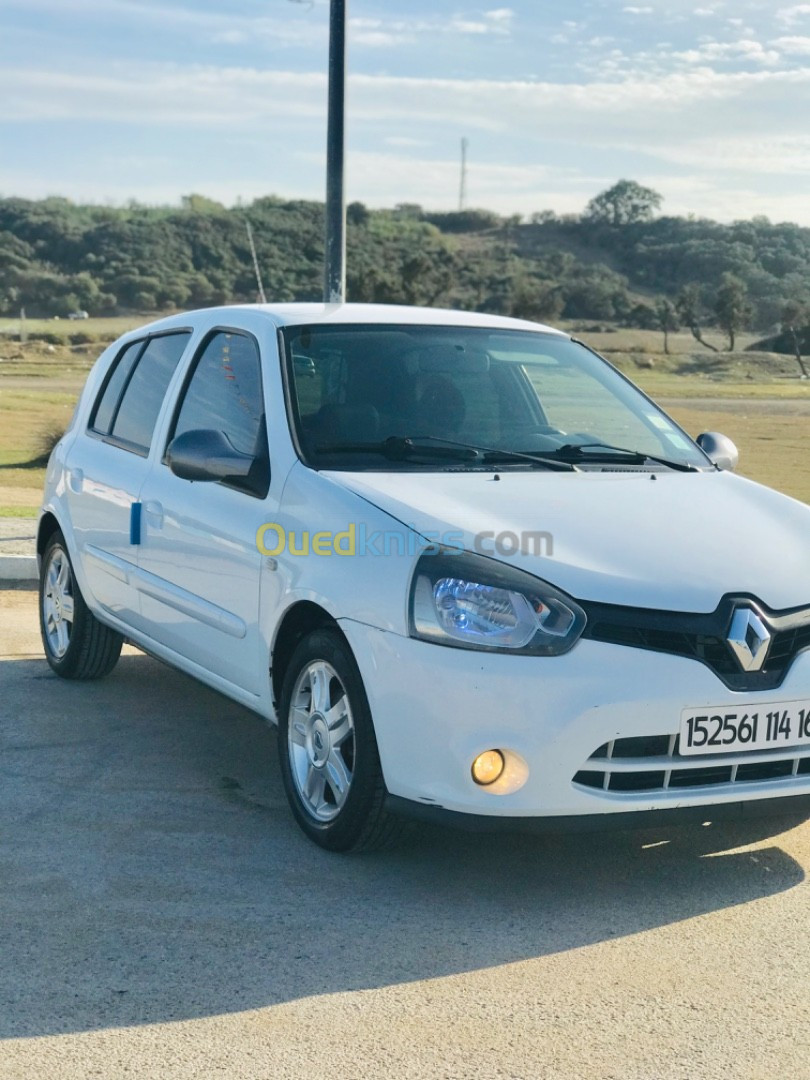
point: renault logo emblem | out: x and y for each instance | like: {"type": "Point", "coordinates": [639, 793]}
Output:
{"type": "Point", "coordinates": [749, 639]}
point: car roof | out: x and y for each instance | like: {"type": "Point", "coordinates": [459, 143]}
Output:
{"type": "Point", "coordinates": [350, 314]}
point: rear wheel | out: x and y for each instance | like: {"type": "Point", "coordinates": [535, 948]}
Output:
{"type": "Point", "coordinates": [328, 751]}
{"type": "Point", "coordinates": [77, 645]}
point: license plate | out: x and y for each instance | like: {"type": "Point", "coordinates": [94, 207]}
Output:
{"type": "Point", "coordinates": [747, 727]}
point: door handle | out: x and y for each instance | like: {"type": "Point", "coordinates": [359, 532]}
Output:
{"type": "Point", "coordinates": [154, 513]}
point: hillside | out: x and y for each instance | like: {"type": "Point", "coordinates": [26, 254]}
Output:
{"type": "Point", "coordinates": [649, 272]}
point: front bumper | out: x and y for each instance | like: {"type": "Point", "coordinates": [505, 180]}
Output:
{"type": "Point", "coordinates": [436, 708]}
{"type": "Point", "coordinates": [795, 806]}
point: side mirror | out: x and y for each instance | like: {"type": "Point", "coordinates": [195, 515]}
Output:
{"type": "Point", "coordinates": [207, 455]}
{"type": "Point", "coordinates": [719, 449]}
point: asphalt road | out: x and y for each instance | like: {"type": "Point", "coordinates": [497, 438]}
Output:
{"type": "Point", "coordinates": [161, 916]}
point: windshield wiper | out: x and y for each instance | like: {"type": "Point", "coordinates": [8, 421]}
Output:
{"type": "Point", "coordinates": [401, 448]}
{"type": "Point", "coordinates": [397, 448]}
{"type": "Point", "coordinates": [574, 450]}
{"type": "Point", "coordinates": [490, 454]}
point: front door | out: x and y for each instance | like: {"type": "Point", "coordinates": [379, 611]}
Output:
{"type": "Point", "coordinates": [199, 566]}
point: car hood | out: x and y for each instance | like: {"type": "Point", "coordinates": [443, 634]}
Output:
{"type": "Point", "coordinates": [670, 540]}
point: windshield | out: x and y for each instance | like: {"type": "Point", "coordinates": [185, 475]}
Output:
{"type": "Point", "coordinates": [359, 391]}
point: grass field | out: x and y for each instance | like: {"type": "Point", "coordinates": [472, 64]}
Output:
{"type": "Point", "coordinates": [64, 329]}
{"type": "Point", "coordinates": [754, 398]}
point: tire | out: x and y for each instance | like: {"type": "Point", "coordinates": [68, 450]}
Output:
{"type": "Point", "coordinates": [328, 753]}
{"type": "Point", "coordinates": [77, 645]}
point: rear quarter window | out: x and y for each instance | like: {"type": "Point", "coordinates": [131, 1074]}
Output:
{"type": "Point", "coordinates": [127, 408]}
{"type": "Point", "coordinates": [107, 402]}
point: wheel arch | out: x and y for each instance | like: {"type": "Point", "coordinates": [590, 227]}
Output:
{"type": "Point", "coordinates": [48, 525]}
{"type": "Point", "coordinates": [300, 619]}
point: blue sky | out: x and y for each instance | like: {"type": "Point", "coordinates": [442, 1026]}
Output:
{"type": "Point", "coordinates": [708, 101]}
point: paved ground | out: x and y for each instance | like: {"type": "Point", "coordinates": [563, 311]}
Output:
{"type": "Point", "coordinates": [17, 537]}
{"type": "Point", "coordinates": [161, 917]}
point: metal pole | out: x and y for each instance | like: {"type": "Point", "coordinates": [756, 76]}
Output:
{"type": "Point", "coordinates": [334, 285]}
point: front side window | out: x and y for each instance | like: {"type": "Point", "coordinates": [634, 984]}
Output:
{"type": "Point", "coordinates": [224, 394]}
{"type": "Point", "coordinates": [127, 408]}
{"type": "Point", "coordinates": [387, 397]}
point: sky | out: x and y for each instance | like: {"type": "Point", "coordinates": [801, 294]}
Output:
{"type": "Point", "coordinates": [707, 101]}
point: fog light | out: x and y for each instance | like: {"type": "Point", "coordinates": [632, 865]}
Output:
{"type": "Point", "coordinates": [488, 767]}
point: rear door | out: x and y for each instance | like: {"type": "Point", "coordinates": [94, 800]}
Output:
{"type": "Point", "coordinates": [199, 565]}
{"type": "Point", "coordinates": [108, 464]}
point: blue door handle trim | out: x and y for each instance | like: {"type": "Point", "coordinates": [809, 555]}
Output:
{"type": "Point", "coordinates": [135, 523]}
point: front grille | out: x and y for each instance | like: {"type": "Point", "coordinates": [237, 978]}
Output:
{"type": "Point", "coordinates": [652, 763]}
{"type": "Point", "coordinates": [712, 651]}
{"type": "Point", "coordinates": [704, 637]}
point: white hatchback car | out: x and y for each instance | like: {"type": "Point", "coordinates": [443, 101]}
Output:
{"type": "Point", "coordinates": [469, 570]}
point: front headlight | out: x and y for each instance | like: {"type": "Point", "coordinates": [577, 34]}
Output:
{"type": "Point", "coordinates": [473, 602]}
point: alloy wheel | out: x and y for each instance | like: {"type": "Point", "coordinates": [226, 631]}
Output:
{"type": "Point", "coordinates": [321, 741]}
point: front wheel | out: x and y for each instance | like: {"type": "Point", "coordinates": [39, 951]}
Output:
{"type": "Point", "coordinates": [77, 645]}
{"type": "Point", "coordinates": [330, 764]}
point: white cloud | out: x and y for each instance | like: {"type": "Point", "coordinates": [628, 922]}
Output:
{"type": "Point", "coordinates": [405, 141]}
{"type": "Point", "coordinates": [638, 10]}
{"type": "Point", "coordinates": [502, 15]}
{"type": "Point", "coordinates": [379, 32]}
{"type": "Point", "coordinates": [794, 46]}
{"type": "Point", "coordinates": [657, 109]}
{"type": "Point", "coordinates": [231, 37]}
{"type": "Point", "coordinates": [702, 123]}
{"type": "Point", "coordinates": [794, 14]}
{"type": "Point", "coordinates": [465, 26]}
{"type": "Point", "coordinates": [780, 155]}
{"type": "Point", "coordinates": [376, 39]}
{"type": "Point", "coordinates": [746, 49]}
{"type": "Point", "coordinates": [294, 29]}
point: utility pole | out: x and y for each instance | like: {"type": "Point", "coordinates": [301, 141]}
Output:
{"type": "Point", "coordinates": [462, 188]}
{"type": "Point", "coordinates": [334, 285]}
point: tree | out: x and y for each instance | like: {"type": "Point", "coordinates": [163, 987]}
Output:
{"type": "Point", "coordinates": [732, 307]}
{"type": "Point", "coordinates": [56, 256]}
{"type": "Point", "coordinates": [201, 204]}
{"type": "Point", "coordinates": [641, 317]}
{"type": "Point", "coordinates": [540, 301]}
{"type": "Point", "coordinates": [626, 203]}
{"type": "Point", "coordinates": [543, 217]}
{"type": "Point", "coordinates": [689, 307]}
{"type": "Point", "coordinates": [357, 213]}
{"type": "Point", "coordinates": [668, 322]}
{"type": "Point", "coordinates": [796, 315]}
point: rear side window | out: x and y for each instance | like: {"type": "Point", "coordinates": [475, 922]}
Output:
{"type": "Point", "coordinates": [107, 404]}
{"type": "Point", "coordinates": [128, 407]}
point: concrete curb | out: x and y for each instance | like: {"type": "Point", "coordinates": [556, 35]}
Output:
{"type": "Point", "coordinates": [18, 568]}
